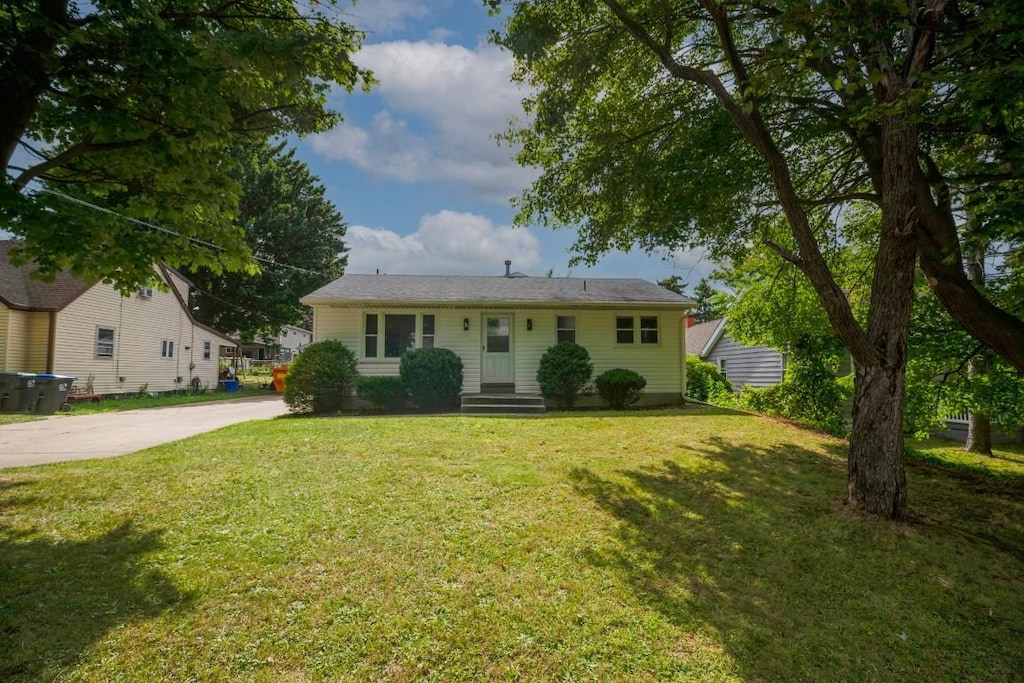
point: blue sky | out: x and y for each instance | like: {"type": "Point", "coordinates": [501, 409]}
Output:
{"type": "Point", "coordinates": [415, 169]}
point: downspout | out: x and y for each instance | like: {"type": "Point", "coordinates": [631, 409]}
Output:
{"type": "Point", "coordinates": [51, 343]}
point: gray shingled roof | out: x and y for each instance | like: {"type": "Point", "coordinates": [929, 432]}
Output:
{"type": "Point", "coordinates": [452, 289]}
{"type": "Point", "coordinates": [19, 290]}
{"type": "Point", "coordinates": [699, 335]}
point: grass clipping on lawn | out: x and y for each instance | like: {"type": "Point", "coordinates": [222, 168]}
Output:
{"type": "Point", "coordinates": [694, 546]}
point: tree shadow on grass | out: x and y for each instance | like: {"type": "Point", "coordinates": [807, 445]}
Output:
{"type": "Point", "coordinates": [755, 547]}
{"type": "Point", "coordinates": [58, 597]}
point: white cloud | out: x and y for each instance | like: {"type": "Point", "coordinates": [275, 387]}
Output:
{"type": "Point", "coordinates": [445, 104]}
{"type": "Point", "coordinates": [445, 243]}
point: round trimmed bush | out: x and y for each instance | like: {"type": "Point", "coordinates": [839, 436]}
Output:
{"type": "Point", "coordinates": [620, 387]}
{"type": "Point", "coordinates": [563, 372]}
{"type": "Point", "coordinates": [321, 379]}
{"type": "Point", "coordinates": [384, 392]}
{"type": "Point", "coordinates": [433, 377]}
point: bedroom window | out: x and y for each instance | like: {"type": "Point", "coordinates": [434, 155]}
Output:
{"type": "Point", "coordinates": [206, 350]}
{"type": "Point", "coordinates": [648, 329]}
{"type": "Point", "coordinates": [167, 349]}
{"type": "Point", "coordinates": [624, 329]}
{"type": "Point", "coordinates": [104, 342]}
{"type": "Point", "coordinates": [566, 328]}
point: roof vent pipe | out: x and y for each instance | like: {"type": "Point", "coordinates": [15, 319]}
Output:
{"type": "Point", "coordinates": [508, 268]}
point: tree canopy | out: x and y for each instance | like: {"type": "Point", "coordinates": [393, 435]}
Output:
{"type": "Point", "coordinates": [292, 230]}
{"type": "Point", "coordinates": [132, 107]}
{"type": "Point", "coordinates": [692, 123]}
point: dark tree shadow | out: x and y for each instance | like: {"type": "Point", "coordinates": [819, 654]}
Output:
{"type": "Point", "coordinates": [759, 548]}
{"type": "Point", "coordinates": [58, 597]}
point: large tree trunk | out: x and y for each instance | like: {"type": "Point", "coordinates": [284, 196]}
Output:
{"type": "Point", "coordinates": [877, 482]}
{"type": "Point", "coordinates": [979, 434]}
{"type": "Point", "coordinates": [876, 479]}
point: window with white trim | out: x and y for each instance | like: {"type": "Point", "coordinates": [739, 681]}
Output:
{"type": "Point", "coordinates": [723, 367]}
{"type": "Point", "coordinates": [624, 329]}
{"type": "Point", "coordinates": [370, 336]}
{"type": "Point", "coordinates": [565, 329]}
{"type": "Point", "coordinates": [207, 348]}
{"type": "Point", "coordinates": [427, 335]}
{"type": "Point", "coordinates": [104, 342]}
{"type": "Point", "coordinates": [167, 349]}
{"type": "Point", "coordinates": [648, 329]}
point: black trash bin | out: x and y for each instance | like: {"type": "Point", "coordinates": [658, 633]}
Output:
{"type": "Point", "coordinates": [11, 388]}
{"type": "Point", "coordinates": [50, 394]}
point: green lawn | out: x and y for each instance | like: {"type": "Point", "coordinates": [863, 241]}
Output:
{"type": "Point", "coordinates": [132, 402]}
{"type": "Point", "coordinates": [692, 545]}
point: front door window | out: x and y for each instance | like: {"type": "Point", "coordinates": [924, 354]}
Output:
{"type": "Point", "coordinates": [497, 335]}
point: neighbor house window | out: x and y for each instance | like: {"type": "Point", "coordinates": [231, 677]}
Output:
{"type": "Point", "coordinates": [104, 342]}
{"type": "Point", "coordinates": [370, 344]}
{"type": "Point", "coordinates": [649, 330]}
{"type": "Point", "coordinates": [167, 349]}
{"type": "Point", "coordinates": [399, 334]}
{"type": "Point", "coordinates": [428, 332]}
{"type": "Point", "coordinates": [565, 328]}
{"type": "Point", "coordinates": [624, 330]}
{"type": "Point", "coordinates": [723, 367]}
{"type": "Point", "coordinates": [206, 350]}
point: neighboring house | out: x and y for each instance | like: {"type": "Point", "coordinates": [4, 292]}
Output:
{"type": "Point", "coordinates": [69, 327]}
{"type": "Point", "coordinates": [500, 326]}
{"type": "Point", "coordinates": [752, 366]}
{"type": "Point", "coordinates": [284, 347]}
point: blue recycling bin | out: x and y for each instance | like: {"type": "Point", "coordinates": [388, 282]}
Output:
{"type": "Point", "coordinates": [230, 385]}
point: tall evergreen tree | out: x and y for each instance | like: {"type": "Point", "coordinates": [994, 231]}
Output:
{"type": "Point", "coordinates": [292, 230]}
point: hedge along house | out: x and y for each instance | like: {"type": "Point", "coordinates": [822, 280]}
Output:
{"type": "Point", "coordinates": [500, 326]}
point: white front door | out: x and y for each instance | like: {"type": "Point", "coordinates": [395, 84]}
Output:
{"type": "Point", "coordinates": [497, 349]}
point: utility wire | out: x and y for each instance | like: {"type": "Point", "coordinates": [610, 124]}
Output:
{"type": "Point", "coordinates": [166, 231]}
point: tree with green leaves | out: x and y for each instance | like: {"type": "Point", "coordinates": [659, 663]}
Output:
{"type": "Point", "coordinates": [132, 107]}
{"type": "Point", "coordinates": [694, 123]}
{"type": "Point", "coordinates": [292, 230]}
{"type": "Point", "coordinates": [708, 300]}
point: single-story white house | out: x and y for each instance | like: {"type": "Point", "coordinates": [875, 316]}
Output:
{"type": "Point", "coordinates": [123, 343]}
{"type": "Point", "coordinates": [283, 347]}
{"type": "Point", "coordinates": [500, 326]}
{"type": "Point", "coordinates": [742, 365]}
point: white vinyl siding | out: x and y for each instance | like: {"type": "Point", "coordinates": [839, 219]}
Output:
{"type": "Point", "coordinates": [141, 326]}
{"type": "Point", "coordinates": [660, 364]}
{"type": "Point", "coordinates": [5, 342]}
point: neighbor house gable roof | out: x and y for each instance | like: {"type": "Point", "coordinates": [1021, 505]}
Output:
{"type": "Point", "coordinates": [166, 272]}
{"type": "Point", "coordinates": [19, 290]}
{"type": "Point", "coordinates": [484, 289]}
{"type": "Point", "coordinates": [702, 337]}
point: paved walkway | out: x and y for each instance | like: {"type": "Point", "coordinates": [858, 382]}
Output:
{"type": "Point", "coordinates": [105, 435]}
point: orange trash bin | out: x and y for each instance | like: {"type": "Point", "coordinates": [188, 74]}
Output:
{"type": "Point", "coordinates": [279, 373]}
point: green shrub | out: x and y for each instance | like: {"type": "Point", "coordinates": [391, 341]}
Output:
{"type": "Point", "coordinates": [321, 379]}
{"type": "Point", "coordinates": [704, 382]}
{"type": "Point", "coordinates": [384, 392]}
{"type": "Point", "coordinates": [620, 388]}
{"type": "Point", "coordinates": [810, 394]}
{"type": "Point", "coordinates": [433, 377]}
{"type": "Point", "coordinates": [563, 372]}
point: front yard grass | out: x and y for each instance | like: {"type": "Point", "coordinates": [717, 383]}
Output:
{"type": "Point", "coordinates": [694, 545]}
{"type": "Point", "coordinates": [112, 404]}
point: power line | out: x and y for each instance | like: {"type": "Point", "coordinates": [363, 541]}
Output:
{"type": "Point", "coordinates": [167, 231]}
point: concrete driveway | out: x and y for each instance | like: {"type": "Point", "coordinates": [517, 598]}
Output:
{"type": "Point", "coordinates": [105, 435]}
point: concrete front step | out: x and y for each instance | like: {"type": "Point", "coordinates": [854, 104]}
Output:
{"type": "Point", "coordinates": [502, 403]}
